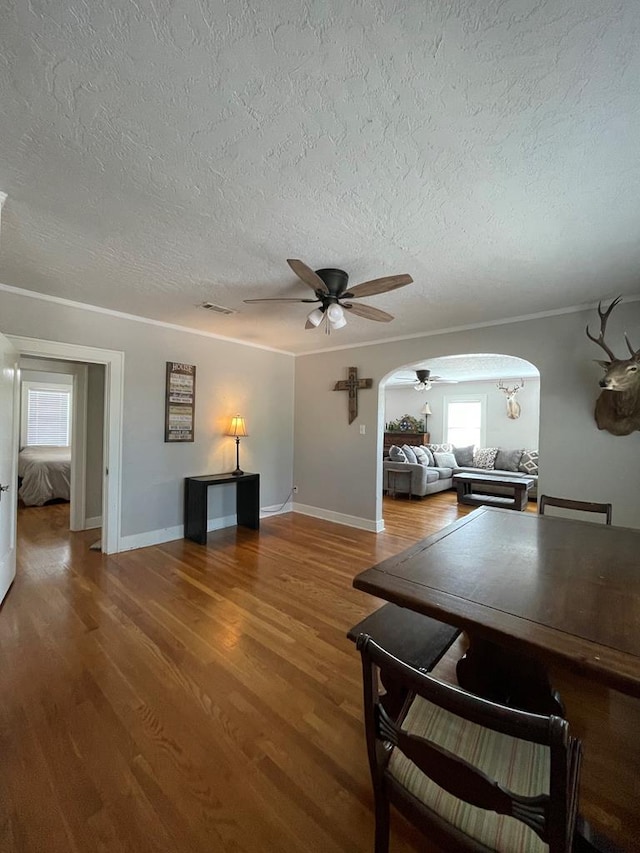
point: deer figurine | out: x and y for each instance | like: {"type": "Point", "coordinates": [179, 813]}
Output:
{"type": "Point", "coordinates": [618, 406]}
{"type": "Point", "coordinates": [513, 407]}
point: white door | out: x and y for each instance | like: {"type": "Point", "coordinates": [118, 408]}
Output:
{"type": "Point", "coordinates": [8, 462]}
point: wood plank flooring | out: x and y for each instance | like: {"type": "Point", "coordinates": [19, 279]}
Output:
{"type": "Point", "coordinates": [186, 698]}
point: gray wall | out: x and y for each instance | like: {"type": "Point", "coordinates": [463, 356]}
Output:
{"type": "Point", "coordinates": [230, 378]}
{"type": "Point", "coordinates": [95, 440]}
{"type": "Point", "coordinates": [337, 469]}
{"type": "Point", "coordinates": [501, 431]}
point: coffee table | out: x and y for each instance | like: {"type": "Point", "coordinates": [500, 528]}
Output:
{"type": "Point", "coordinates": [467, 483]}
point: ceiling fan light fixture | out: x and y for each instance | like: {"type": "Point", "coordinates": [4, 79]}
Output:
{"type": "Point", "coordinates": [424, 380]}
{"type": "Point", "coordinates": [335, 315]}
{"type": "Point", "coordinates": [315, 317]}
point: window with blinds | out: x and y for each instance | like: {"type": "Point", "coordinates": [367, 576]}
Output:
{"type": "Point", "coordinates": [48, 417]}
{"type": "Point", "coordinates": [465, 420]}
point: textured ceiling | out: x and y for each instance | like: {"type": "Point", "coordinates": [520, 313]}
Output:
{"type": "Point", "coordinates": [469, 368]}
{"type": "Point", "coordinates": [159, 154]}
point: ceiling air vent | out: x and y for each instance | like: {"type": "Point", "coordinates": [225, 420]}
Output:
{"type": "Point", "coordinates": [219, 309]}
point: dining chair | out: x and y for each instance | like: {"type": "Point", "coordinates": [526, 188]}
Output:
{"type": "Point", "coordinates": [582, 506]}
{"type": "Point", "coordinates": [471, 774]}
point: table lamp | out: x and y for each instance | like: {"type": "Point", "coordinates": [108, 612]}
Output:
{"type": "Point", "coordinates": [426, 411]}
{"type": "Point", "coordinates": [238, 429]}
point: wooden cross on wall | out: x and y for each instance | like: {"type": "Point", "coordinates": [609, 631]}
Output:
{"type": "Point", "coordinates": [352, 385]}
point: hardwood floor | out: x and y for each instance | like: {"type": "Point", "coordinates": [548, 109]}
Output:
{"type": "Point", "coordinates": [186, 698]}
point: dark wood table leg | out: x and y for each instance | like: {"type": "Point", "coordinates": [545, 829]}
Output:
{"type": "Point", "coordinates": [248, 503]}
{"type": "Point", "coordinates": [462, 489]}
{"type": "Point", "coordinates": [497, 674]}
{"type": "Point", "coordinates": [195, 511]}
{"type": "Point", "coordinates": [521, 496]}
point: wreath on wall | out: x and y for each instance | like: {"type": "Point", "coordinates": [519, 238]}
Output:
{"type": "Point", "coordinates": [406, 424]}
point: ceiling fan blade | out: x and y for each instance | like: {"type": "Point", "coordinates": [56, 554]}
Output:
{"type": "Point", "coordinates": [368, 311]}
{"type": "Point", "coordinates": [378, 285]}
{"type": "Point", "coordinates": [306, 274]}
{"type": "Point", "coordinates": [277, 299]}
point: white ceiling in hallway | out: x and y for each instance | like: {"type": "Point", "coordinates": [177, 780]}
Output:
{"type": "Point", "coordinates": [157, 155]}
{"type": "Point", "coordinates": [482, 367]}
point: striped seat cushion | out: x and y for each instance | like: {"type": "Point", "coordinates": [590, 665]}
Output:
{"type": "Point", "coordinates": [519, 766]}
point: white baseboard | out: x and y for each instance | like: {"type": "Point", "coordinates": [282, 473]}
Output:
{"type": "Point", "coordinates": [276, 509]}
{"type": "Point", "coordinates": [169, 534]}
{"type": "Point", "coordinates": [92, 523]}
{"type": "Point", "coordinates": [340, 518]}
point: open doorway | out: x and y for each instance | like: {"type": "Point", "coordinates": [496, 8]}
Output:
{"type": "Point", "coordinates": [62, 419]}
{"type": "Point", "coordinates": [482, 408]}
{"type": "Point", "coordinates": [112, 364]}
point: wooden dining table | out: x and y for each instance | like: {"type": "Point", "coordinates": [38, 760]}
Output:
{"type": "Point", "coordinates": [530, 591]}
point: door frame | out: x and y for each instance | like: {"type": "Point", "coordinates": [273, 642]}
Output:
{"type": "Point", "coordinates": [113, 361]}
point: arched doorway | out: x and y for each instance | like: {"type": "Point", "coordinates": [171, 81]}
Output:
{"type": "Point", "coordinates": [481, 400]}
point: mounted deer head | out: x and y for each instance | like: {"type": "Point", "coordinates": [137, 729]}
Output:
{"type": "Point", "coordinates": [513, 407]}
{"type": "Point", "coordinates": [618, 406]}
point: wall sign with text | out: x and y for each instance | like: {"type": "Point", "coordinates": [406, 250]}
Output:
{"type": "Point", "coordinates": [180, 402]}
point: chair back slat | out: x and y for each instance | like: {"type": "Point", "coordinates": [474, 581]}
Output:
{"type": "Point", "coordinates": [462, 780]}
{"type": "Point", "coordinates": [579, 506]}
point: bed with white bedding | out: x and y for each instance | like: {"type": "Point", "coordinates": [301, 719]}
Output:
{"type": "Point", "coordinates": [45, 473]}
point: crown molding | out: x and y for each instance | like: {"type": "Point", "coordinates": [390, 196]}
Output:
{"type": "Point", "coordinates": [121, 315]}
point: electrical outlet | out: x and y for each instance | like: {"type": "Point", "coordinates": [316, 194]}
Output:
{"type": "Point", "coordinates": [295, 490]}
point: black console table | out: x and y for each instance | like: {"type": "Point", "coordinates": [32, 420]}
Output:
{"type": "Point", "coordinates": [195, 502]}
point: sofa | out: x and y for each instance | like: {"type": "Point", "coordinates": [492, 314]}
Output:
{"type": "Point", "coordinates": [428, 476]}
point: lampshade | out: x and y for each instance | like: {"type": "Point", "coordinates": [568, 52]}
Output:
{"type": "Point", "coordinates": [237, 427]}
{"type": "Point", "coordinates": [315, 317]}
{"type": "Point", "coordinates": [335, 313]}
{"type": "Point", "coordinates": [425, 410]}
{"type": "Point", "coordinates": [335, 316]}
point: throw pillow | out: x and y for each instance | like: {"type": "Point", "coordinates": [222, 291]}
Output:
{"type": "Point", "coordinates": [445, 460]}
{"type": "Point", "coordinates": [508, 460]}
{"type": "Point", "coordinates": [464, 456]}
{"type": "Point", "coordinates": [485, 457]}
{"type": "Point", "coordinates": [440, 448]}
{"type": "Point", "coordinates": [409, 453]}
{"type": "Point", "coordinates": [396, 454]}
{"type": "Point", "coordinates": [421, 456]}
{"type": "Point", "coordinates": [529, 462]}
{"type": "Point", "coordinates": [431, 461]}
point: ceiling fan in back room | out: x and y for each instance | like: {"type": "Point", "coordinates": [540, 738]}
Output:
{"type": "Point", "coordinates": [424, 380]}
{"type": "Point", "coordinates": [331, 290]}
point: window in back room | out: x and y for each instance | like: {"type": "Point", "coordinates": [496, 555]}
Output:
{"type": "Point", "coordinates": [465, 420]}
{"type": "Point", "coordinates": [46, 415]}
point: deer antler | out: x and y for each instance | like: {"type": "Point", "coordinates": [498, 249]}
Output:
{"type": "Point", "coordinates": [508, 390]}
{"type": "Point", "coordinates": [635, 354]}
{"type": "Point", "coordinates": [604, 316]}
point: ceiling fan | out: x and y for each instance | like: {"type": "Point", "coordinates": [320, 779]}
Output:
{"type": "Point", "coordinates": [424, 380]}
{"type": "Point", "coordinates": [330, 287]}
